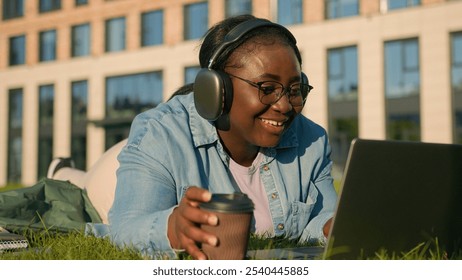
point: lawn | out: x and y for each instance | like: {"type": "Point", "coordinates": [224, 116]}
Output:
{"type": "Point", "coordinates": [53, 245]}
{"type": "Point", "coordinates": [46, 245]}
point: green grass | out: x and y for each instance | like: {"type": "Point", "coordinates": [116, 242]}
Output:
{"type": "Point", "coordinates": [70, 246]}
{"type": "Point", "coordinates": [11, 186]}
{"type": "Point", "coordinates": [47, 245]}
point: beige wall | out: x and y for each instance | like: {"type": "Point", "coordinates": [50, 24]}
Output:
{"type": "Point", "coordinates": [431, 24]}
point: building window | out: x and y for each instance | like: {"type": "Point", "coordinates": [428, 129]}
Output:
{"type": "Point", "coordinates": [343, 100]}
{"type": "Point", "coordinates": [17, 50]}
{"type": "Point", "coordinates": [115, 34]}
{"type": "Point", "coordinates": [237, 7]}
{"type": "Point", "coordinates": [195, 20]}
{"type": "Point", "coordinates": [80, 40]}
{"type": "Point", "coordinates": [290, 12]}
{"type": "Point", "coordinates": [399, 4]}
{"type": "Point", "coordinates": [15, 122]}
{"type": "Point", "coordinates": [456, 84]}
{"type": "Point", "coordinates": [81, 2]}
{"type": "Point", "coordinates": [79, 90]}
{"type": "Point", "coordinates": [49, 5]}
{"type": "Point", "coordinates": [127, 96]}
{"type": "Point", "coordinates": [341, 8]}
{"type": "Point", "coordinates": [13, 9]}
{"type": "Point", "coordinates": [152, 28]}
{"type": "Point", "coordinates": [402, 89]}
{"type": "Point", "coordinates": [190, 74]}
{"type": "Point", "coordinates": [47, 45]}
{"type": "Point", "coordinates": [45, 147]}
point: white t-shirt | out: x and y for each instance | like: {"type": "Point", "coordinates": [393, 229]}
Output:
{"type": "Point", "coordinates": [248, 180]}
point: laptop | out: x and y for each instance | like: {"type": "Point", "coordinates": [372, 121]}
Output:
{"type": "Point", "coordinates": [394, 195]}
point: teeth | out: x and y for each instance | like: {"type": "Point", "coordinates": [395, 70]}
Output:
{"type": "Point", "coordinates": [271, 122]}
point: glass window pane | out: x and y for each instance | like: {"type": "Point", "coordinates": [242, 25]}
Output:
{"type": "Point", "coordinates": [81, 2]}
{"type": "Point", "coordinates": [152, 28]}
{"type": "Point", "coordinates": [46, 96]}
{"type": "Point", "coordinates": [456, 81]}
{"type": "Point", "coordinates": [195, 20]}
{"type": "Point", "coordinates": [290, 12]}
{"type": "Point", "coordinates": [399, 4]}
{"type": "Point", "coordinates": [45, 147]}
{"type": "Point", "coordinates": [341, 8]}
{"type": "Point", "coordinates": [47, 45]}
{"type": "Point", "coordinates": [343, 101]}
{"type": "Point", "coordinates": [190, 74]}
{"type": "Point", "coordinates": [17, 50]}
{"type": "Point", "coordinates": [80, 40]}
{"type": "Point", "coordinates": [13, 9]}
{"type": "Point", "coordinates": [79, 100]}
{"type": "Point", "coordinates": [237, 7]}
{"type": "Point", "coordinates": [49, 5]}
{"type": "Point", "coordinates": [15, 122]}
{"type": "Point", "coordinates": [79, 123]}
{"type": "Point", "coordinates": [115, 34]}
{"type": "Point", "coordinates": [402, 68]}
{"type": "Point", "coordinates": [127, 96]}
{"type": "Point", "coordinates": [402, 89]}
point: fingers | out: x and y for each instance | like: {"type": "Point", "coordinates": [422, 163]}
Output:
{"type": "Point", "coordinates": [186, 220]}
{"type": "Point", "coordinates": [197, 195]}
{"type": "Point", "coordinates": [196, 215]}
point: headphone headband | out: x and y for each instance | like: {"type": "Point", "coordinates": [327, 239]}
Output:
{"type": "Point", "coordinates": [240, 30]}
{"type": "Point", "coordinates": [213, 89]}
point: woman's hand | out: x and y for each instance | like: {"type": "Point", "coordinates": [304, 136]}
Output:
{"type": "Point", "coordinates": [184, 230]}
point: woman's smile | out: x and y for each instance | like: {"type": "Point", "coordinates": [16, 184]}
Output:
{"type": "Point", "coordinates": [273, 126]}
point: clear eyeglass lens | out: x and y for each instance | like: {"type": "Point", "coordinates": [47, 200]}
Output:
{"type": "Point", "coordinates": [271, 92]}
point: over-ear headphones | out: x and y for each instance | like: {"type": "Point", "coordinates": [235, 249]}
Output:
{"type": "Point", "coordinates": [213, 89]}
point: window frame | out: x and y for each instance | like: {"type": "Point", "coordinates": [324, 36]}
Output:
{"type": "Point", "coordinates": [188, 19]}
{"type": "Point", "coordinates": [47, 49]}
{"type": "Point", "coordinates": [12, 9]}
{"type": "Point", "coordinates": [287, 20]}
{"type": "Point", "coordinates": [144, 39]}
{"type": "Point", "coordinates": [76, 41]}
{"type": "Point", "coordinates": [13, 52]}
{"type": "Point", "coordinates": [111, 27]}
{"type": "Point", "coordinates": [46, 6]}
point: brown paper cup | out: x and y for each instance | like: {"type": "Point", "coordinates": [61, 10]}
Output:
{"type": "Point", "coordinates": [234, 212]}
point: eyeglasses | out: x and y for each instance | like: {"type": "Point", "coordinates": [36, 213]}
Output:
{"type": "Point", "coordinates": [270, 92]}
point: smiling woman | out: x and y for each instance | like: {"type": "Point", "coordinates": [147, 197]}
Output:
{"type": "Point", "coordinates": [238, 128]}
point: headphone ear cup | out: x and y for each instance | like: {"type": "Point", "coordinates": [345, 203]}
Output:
{"type": "Point", "coordinates": [209, 94]}
{"type": "Point", "coordinates": [228, 92]}
{"type": "Point", "coordinates": [213, 93]}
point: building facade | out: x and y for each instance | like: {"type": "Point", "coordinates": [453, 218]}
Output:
{"type": "Point", "coordinates": [74, 73]}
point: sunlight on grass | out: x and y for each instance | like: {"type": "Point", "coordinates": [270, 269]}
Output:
{"type": "Point", "coordinates": [48, 245]}
{"type": "Point", "coordinates": [71, 246]}
{"type": "Point", "coordinates": [11, 186]}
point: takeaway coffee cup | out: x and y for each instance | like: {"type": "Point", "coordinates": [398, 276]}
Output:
{"type": "Point", "coordinates": [234, 212]}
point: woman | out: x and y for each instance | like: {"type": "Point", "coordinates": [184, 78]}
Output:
{"type": "Point", "coordinates": [258, 143]}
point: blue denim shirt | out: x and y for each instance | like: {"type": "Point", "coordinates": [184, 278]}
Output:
{"type": "Point", "coordinates": [171, 148]}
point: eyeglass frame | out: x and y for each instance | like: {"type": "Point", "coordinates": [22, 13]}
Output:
{"type": "Point", "coordinates": [285, 90]}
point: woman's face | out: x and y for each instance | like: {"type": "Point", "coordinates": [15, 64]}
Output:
{"type": "Point", "coordinates": [253, 124]}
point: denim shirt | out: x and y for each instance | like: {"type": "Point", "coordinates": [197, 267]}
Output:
{"type": "Point", "coordinates": [171, 148]}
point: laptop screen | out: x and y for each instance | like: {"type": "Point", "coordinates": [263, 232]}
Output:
{"type": "Point", "coordinates": [396, 195]}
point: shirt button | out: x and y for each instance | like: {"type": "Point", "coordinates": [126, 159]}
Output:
{"type": "Point", "coordinates": [280, 226]}
{"type": "Point", "coordinates": [274, 195]}
{"type": "Point", "coordinates": [266, 167]}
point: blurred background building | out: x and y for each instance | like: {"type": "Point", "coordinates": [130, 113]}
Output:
{"type": "Point", "coordinates": [74, 73]}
